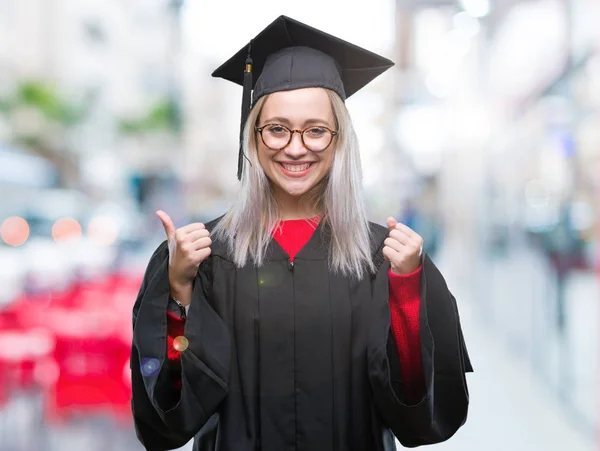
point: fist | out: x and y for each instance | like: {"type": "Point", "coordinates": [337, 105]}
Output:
{"type": "Point", "coordinates": [402, 247]}
{"type": "Point", "coordinates": [188, 247]}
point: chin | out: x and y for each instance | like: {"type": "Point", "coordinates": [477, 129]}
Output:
{"type": "Point", "coordinates": [296, 189]}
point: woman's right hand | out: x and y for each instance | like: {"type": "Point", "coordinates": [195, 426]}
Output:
{"type": "Point", "coordinates": [189, 246]}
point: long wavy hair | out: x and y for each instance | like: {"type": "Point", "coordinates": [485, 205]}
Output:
{"type": "Point", "coordinates": [248, 225]}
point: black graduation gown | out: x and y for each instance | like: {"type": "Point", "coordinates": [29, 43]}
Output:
{"type": "Point", "coordinates": [289, 357]}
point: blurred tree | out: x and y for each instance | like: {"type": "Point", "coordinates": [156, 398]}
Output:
{"type": "Point", "coordinates": [157, 129]}
{"type": "Point", "coordinates": [48, 101]}
{"type": "Point", "coordinates": [4, 106]}
{"type": "Point", "coordinates": [162, 116]}
{"type": "Point", "coordinates": [40, 120]}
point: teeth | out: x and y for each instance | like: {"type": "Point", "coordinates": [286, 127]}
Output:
{"type": "Point", "coordinates": [296, 167]}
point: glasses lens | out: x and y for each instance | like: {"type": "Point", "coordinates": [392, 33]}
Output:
{"type": "Point", "coordinates": [275, 136]}
{"type": "Point", "coordinates": [317, 138]}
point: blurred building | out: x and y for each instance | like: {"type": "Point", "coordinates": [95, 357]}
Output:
{"type": "Point", "coordinates": [499, 101]}
{"type": "Point", "coordinates": [118, 59]}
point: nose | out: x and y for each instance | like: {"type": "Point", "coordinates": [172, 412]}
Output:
{"type": "Point", "coordinates": [295, 148]}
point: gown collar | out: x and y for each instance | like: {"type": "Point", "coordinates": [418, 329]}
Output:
{"type": "Point", "coordinates": [316, 247]}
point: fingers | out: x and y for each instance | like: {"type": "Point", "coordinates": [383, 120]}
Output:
{"type": "Point", "coordinates": [191, 227]}
{"type": "Point", "coordinates": [189, 246]}
{"type": "Point", "coordinates": [203, 253]}
{"type": "Point", "coordinates": [410, 243]}
{"type": "Point", "coordinates": [394, 244]}
{"type": "Point", "coordinates": [200, 243]}
{"type": "Point", "coordinates": [406, 229]}
{"type": "Point", "coordinates": [403, 233]}
{"type": "Point", "coordinates": [193, 258]}
{"type": "Point", "coordinates": [193, 241]}
{"type": "Point", "coordinates": [194, 255]}
{"type": "Point", "coordinates": [167, 223]}
{"type": "Point", "coordinates": [183, 237]}
{"type": "Point", "coordinates": [196, 235]}
{"type": "Point", "coordinates": [401, 237]}
{"type": "Point", "coordinates": [391, 222]}
{"type": "Point", "coordinates": [389, 254]}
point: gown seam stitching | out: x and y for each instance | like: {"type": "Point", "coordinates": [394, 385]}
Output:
{"type": "Point", "coordinates": [258, 366]}
{"type": "Point", "coordinates": [295, 369]}
{"type": "Point", "coordinates": [333, 372]}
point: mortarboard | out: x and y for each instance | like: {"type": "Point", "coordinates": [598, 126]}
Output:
{"type": "Point", "coordinates": [288, 55]}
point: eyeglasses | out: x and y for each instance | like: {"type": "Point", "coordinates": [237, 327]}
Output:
{"type": "Point", "coordinates": [277, 137]}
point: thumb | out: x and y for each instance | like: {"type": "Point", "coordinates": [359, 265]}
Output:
{"type": "Point", "coordinates": [167, 223]}
{"type": "Point", "coordinates": [391, 223]}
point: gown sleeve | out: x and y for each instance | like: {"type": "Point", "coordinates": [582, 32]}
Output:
{"type": "Point", "coordinates": [175, 328]}
{"type": "Point", "coordinates": [442, 409]}
{"type": "Point", "coordinates": [162, 420]}
{"type": "Point", "coordinates": [404, 317]}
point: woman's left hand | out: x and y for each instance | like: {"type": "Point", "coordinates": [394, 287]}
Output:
{"type": "Point", "coordinates": [403, 248]}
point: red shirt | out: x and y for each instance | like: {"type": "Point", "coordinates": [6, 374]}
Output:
{"type": "Point", "coordinates": [404, 302]}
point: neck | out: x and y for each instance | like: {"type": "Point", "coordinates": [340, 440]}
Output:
{"type": "Point", "coordinates": [295, 207]}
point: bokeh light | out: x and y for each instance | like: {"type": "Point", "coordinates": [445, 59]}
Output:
{"type": "Point", "coordinates": [66, 229]}
{"type": "Point", "coordinates": [149, 367]}
{"type": "Point", "coordinates": [103, 231]}
{"type": "Point", "coordinates": [14, 231]}
{"type": "Point", "coordinates": [180, 343]}
{"type": "Point", "coordinates": [46, 372]}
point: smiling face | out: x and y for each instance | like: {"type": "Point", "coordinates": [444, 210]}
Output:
{"type": "Point", "coordinates": [294, 170]}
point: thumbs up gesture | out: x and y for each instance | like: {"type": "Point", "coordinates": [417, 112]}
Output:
{"type": "Point", "coordinates": [188, 247]}
{"type": "Point", "coordinates": [403, 248]}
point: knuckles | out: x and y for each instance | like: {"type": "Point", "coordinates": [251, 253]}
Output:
{"type": "Point", "coordinates": [182, 239]}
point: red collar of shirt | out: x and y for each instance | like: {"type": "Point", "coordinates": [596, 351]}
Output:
{"type": "Point", "coordinates": [293, 234]}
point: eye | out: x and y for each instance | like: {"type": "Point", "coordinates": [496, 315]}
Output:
{"type": "Point", "coordinates": [276, 129]}
{"type": "Point", "coordinates": [316, 132]}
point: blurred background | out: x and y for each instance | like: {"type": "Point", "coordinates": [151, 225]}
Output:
{"type": "Point", "coordinates": [484, 138]}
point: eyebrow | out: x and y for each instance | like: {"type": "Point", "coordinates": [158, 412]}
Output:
{"type": "Point", "coordinates": [284, 121]}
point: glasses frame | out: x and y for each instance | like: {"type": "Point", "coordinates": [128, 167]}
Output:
{"type": "Point", "coordinates": [334, 133]}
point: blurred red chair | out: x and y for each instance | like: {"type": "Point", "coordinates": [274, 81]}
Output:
{"type": "Point", "coordinates": [90, 353]}
{"type": "Point", "coordinates": [23, 343]}
{"type": "Point", "coordinates": [74, 343]}
{"type": "Point", "coordinates": [21, 350]}
{"type": "Point", "coordinates": [3, 384]}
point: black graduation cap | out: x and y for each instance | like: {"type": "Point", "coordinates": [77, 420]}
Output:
{"type": "Point", "coordinates": [288, 55]}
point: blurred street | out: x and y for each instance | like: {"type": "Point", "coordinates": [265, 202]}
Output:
{"type": "Point", "coordinates": [510, 408]}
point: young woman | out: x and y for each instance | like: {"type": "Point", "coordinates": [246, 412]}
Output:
{"type": "Point", "coordinates": [292, 322]}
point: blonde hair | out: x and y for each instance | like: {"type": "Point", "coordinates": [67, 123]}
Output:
{"type": "Point", "coordinates": [247, 226]}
